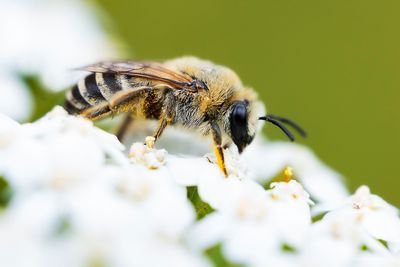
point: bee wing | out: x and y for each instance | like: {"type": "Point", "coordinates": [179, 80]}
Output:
{"type": "Point", "coordinates": [149, 70]}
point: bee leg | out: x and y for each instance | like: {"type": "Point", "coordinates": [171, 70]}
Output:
{"type": "Point", "coordinates": [219, 152]}
{"type": "Point", "coordinates": [168, 114]}
{"type": "Point", "coordinates": [160, 129]}
{"type": "Point", "coordinates": [124, 127]}
{"type": "Point", "coordinates": [97, 112]}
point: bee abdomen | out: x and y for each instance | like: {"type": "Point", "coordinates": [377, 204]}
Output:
{"type": "Point", "coordinates": [109, 84]}
{"type": "Point", "coordinates": [91, 91]}
{"type": "Point", "coordinates": [74, 101]}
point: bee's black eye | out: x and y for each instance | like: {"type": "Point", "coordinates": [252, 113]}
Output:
{"type": "Point", "coordinates": [239, 127]}
{"type": "Point", "coordinates": [239, 114]}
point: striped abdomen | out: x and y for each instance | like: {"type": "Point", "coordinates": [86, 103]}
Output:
{"type": "Point", "coordinates": [96, 89]}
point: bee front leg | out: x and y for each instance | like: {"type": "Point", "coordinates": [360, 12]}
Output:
{"type": "Point", "coordinates": [219, 152]}
{"type": "Point", "coordinates": [163, 124]}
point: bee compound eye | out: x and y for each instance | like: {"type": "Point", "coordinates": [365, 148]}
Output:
{"type": "Point", "coordinates": [239, 114]}
{"type": "Point", "coordinates": [239, 129]}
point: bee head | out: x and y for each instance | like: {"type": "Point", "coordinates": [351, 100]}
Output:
{"type": "Point", "coordinates": [240, 131]}
{"type": "Point", "coordinates": [243, 124]}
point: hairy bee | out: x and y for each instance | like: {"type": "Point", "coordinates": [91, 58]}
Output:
{"type": "Point", "coordinates": [188, 91]}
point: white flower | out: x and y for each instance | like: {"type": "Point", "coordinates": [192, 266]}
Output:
{"type": "Point", "coordinates": [24, 227]}
{"type": "Point", "coordinates": [156, 252]}
{"type": "Point", "coordinates": [149, 157]}
{"type": "Point", "coordinates": [189, 170]}
{"type": "Point", "coordinates": [157, 196]}
{"type": "Point", "coordinates": [9, 131]}
{"type": "Point", "coordinates": [289, 191]}
{"type": "Point", "coordinates": [339, 234]}
{"type": "Point", "coordinates": [251, 223]}
{"type": "Point", "coordinates": [373, 260]}
{"type": "Point", "coordinates": [58, 121]}
{"type": "Point", "coordinates": [58, 150]}
{"type": "Point", "coordinates": [15, 99]}
{"type": "Point", "coordinates": [57, 161]}
{"type": "Point", "coordinates": [343, 232]}
{"type": "Point", "coordinates": [49, 39]}
{"type": "Point", "coordinates": [394, 247]}
{"type": "Point", "coordinates": [290, 207]}
{"type": "Point", "coordinates": [266, 159]}
{"type": "Point", "coordinates": [378, 217]}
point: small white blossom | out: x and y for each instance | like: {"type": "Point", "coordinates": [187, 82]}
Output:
{"type": "Point", "coordinates": [264, 160]}
{"type": "Point", "coordinates": [253, 224]}
{"type": "Point", "coordinates": [352, 232]}
{"type": "Point", "coordinates": [289, 191]}
{"type": "Point", "coordinates": [378, 217]}
{"type": "Point", "coordinates": [149, 157]}
{"type": "Point", "coordinates": [340, 235]}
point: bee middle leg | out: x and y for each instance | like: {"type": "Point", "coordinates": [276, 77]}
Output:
{"type": "Point", "coordinates": [219, 152]}
{"type": "Point", "coordinates": [167, 115]}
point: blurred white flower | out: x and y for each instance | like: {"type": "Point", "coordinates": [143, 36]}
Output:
{"type": "Point", "coordinates": [380, 219]}
{"type": "Point", "coordinates": [15, 100]}
{"type": "Point", "coordinates": [58, 150]}
{"type": "Point", "coordinates": [9, 130]}
{"type": "Point", "coordinates": [352, 232]}
{"type": "Point", "coordinates": [189, 170]}
{"type": "Point", "coordinates": [334, 235]}
{"type": "Point", "coordinates": [58, 121]}
{"type": "Point", "coordinates": [264, 160]}
{"type": "Point", "coordinates": [48, 39]}
{"type": "Point", "coordinates": [373, 260]}
{"type": "Point", "coordinates": [156, 195]}
{"type": "Point", "coordinates": [252, 223]}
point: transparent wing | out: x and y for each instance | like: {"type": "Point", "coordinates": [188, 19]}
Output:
{"type": "Point", "coordinates": [149, 70]}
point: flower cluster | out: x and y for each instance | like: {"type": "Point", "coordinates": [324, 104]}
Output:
{"type": "Point", "coordinates": [71, 196]}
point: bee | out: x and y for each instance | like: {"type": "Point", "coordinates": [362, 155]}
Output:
{"type": "Point", "coordinates": [187, 91]}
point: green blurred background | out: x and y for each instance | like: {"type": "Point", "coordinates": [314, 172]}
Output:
{"type": "Point", "coordinates": [330, 65]}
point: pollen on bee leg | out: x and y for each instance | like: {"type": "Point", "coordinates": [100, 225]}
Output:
{"type": "Point", "coordinates": [149, 141]}
{"type": "Point", "coordinates": [220, 159]}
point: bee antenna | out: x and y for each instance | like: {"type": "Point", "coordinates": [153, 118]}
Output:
{"type": "Point", "coordinates": [279, 124]}
{"type": "Point", "coordinates": [295, 126]}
